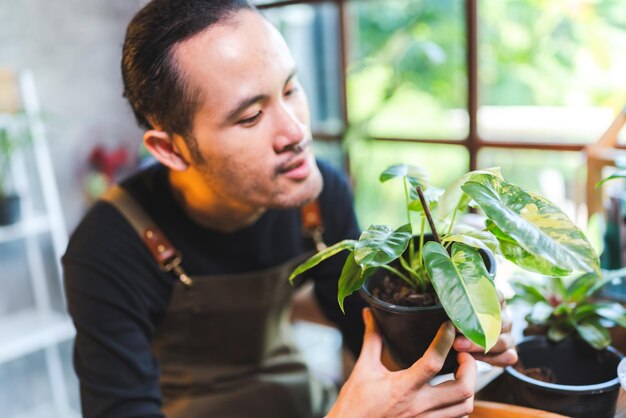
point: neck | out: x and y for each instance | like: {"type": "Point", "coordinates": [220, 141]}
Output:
{"type": "Point", "coordinates": [208, 209]}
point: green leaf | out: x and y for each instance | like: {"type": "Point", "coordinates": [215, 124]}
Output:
{"type": "Point", "coordinates": [417, 174]}
{"type": "Point", "coordinates": [351, 279]}
{"type": "Point", "coordinates": [594, 333]}
{"type": "Point", "coordinates": [538, 226]}
{"type": "Point", "coordinates": [529, 293]}
{"type": "Point", "coordinates": [581, 288]}
{"type": "Point", "coordinates": [559, 332]}
{"type": "Point", "coordinates": [477, 239]}
{"type": "Point", "coordinates": [431, 195]}
{"type": "Point", "coordinates": [611, 311]}
{"type": "Point", "coordinates": [380, 245]}
{"type": "Point", "coordinates": [562, 310]}
{"type": "Point", "coordinates": [321, 256]}
{"type": "Point", "coordinates": [512, 251]}
{"type": "Point", "coordinates": [559, 287]}
{"type": "Point", "coordinates": [618, 175]}
{"type": "Point", "coordinates": [465, 290]}
{"type": "Point", "coordinates": [540, 313]}
{"type": "Point", "coordinates": [608, 276]}
{"type": "Point", "coordinates": [454, 198]}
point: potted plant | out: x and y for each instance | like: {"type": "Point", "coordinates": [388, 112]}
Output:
{"type": "Point", "coordinates": [521, 226]}
{"type": "Point", "coordinates": [13, 135]}
{"type": "Point", "coordinates": [568, 366]}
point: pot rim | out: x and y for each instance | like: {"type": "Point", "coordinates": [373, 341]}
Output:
{"type": "Point", "coordinates": [390, 307]}
{"type": "Point", "coordinates": [578, 389]}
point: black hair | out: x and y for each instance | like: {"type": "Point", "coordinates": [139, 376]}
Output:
{"type": "Point", "coordinates": [153, 85]}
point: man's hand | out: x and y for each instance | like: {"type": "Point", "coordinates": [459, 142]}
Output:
{"type": "Point", "coordinates": [502, 354]}
{"type": "Point", "coordinates": [373, 391]}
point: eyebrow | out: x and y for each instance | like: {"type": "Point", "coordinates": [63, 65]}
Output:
{"type": "Point", "coordinates": [249, 101]}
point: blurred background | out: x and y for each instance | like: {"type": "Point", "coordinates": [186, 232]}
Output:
{"type": "Point", "coordinates": [449, 85]}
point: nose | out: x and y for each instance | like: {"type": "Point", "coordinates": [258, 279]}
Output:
{"type": "Point", "coordinates": [290, 130]}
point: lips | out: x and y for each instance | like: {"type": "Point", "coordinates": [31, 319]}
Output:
{"type": "Point", "coordinates": [296, 170]}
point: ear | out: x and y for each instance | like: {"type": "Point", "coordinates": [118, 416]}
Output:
{"type": "Point", "coordinates": [161, 145]}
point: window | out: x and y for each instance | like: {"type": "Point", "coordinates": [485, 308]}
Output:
{"type": "Point", "coordinates": [459, 84]}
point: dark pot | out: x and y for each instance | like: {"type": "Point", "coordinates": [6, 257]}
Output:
{"type": "Point", "coordinates": [408, 331]}
{"type": "Point", "coordinates": [9, 209]}
{"type": "Point", "coordinates": [588, 383]}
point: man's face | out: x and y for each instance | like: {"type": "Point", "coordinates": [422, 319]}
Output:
{"type": "Point", "coordinates": [252, 126]}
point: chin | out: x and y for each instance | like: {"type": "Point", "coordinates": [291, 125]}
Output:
{"type": "Point", "coordinates": [305, 193]}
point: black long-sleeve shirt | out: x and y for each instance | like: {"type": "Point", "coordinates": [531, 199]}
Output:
{"type": "Point", "coordinates": [117, 294]}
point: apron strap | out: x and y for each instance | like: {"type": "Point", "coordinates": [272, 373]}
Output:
{"type": "Point", "coordinates": [167, 257]}
{"type": "Point", "coordinates": [312, 224]}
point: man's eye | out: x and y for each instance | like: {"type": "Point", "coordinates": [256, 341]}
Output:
{"type": "Point", "coordinates": [250, 120]}
{"type": "Point", "coordinates": [291, 91]}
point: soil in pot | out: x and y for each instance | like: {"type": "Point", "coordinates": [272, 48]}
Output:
{"type": "Point", "coordinates": [396, 292]}
{"type": "Point", "coordinates": [585, 380]}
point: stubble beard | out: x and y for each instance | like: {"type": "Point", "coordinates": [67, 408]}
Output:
{"type": "Point", "coordinates": [286, 197]}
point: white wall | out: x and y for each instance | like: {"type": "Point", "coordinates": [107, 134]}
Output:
{"type": "Point", "coordinates": [73, 48]}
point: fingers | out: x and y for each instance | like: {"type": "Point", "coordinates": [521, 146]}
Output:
{"type": "Point", "coordinates": [461, 409]}
{"type": "Point", "coordinates": [372, 342]}
{"type": "Point", "coordinates": [507, 358]}
{"type": "Point", "coordinates": [432, 360]}
{"type": "Point", "coordinates": [505, 342]}
{"type": "Point", "coordinates": [466, 373]}
{"type": "Point", "coordinates": [456, 397]}
{"type": "Point", "coordinates": [507, 325]}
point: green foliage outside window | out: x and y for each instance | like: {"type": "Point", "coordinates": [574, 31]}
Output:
{"type": "Point", "coordinates": [407, 78]}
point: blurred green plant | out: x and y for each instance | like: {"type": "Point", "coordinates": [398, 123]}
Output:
{"type": "Point", "coordinates": [560, 310]}
{"type": "Point", "coordinates": [14, 134]}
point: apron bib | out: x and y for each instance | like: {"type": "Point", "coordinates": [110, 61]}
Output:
{"type": "Point", "coordinates": [224, 345]}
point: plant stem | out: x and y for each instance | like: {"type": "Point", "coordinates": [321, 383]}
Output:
{"type": "Point", "coordinates": [419, 256]}
{"type": "Point", "coordinates": [452, 221]}
{"type": "Point", "coordinates": [399, 274]}
{"type": "Point", "coordinates": [408, 216]}
{"type": "Point", "coordinates": [428, 215]}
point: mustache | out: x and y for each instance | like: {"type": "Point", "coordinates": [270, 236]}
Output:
{"type": "Point", "coordinates": [299, 147]}
{"type": "Point", "coordinates": [296, 150]}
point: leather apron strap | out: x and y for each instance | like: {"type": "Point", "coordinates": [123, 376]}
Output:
{"type": "Point", "coordinates": [166, 256]}
{"type": "Point", "coordinates": [169, 258]}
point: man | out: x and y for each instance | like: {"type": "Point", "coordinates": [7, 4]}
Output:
{"type": "Point", "coordinates": [177, 282]}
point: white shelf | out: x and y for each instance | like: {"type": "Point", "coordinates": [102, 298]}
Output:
{"type": "Point", "coordinates": [29, 331]}
{"type": "Point", "coordinates": [47, 411]}
{"type": "Point", "coordinates": [24, 228]}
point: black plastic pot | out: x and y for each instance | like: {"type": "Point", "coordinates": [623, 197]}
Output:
{"type": "Point", "coordinates": [588, 385]}
{"type": "Point", "coordinates": [408, 331]}
{"type": "Point", "coordinates": [9, 209]}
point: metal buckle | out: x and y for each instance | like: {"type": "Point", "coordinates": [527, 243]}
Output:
{"type": "Point", "coordinates": [173, 265]}
{"type": "Point", "coordinates": [316, 236]}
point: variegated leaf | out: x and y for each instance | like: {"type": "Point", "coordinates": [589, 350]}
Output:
{"type": "Point", "coordinates": [380, 245]}
{"type": "Point", "coordinates": [454, 198]}
{"type": "Point", "coordinates": [465, 290]}
{"type": "Point", "coordinates": [477, 239]}
{"type": "Point", "coordinates": [538, 226]}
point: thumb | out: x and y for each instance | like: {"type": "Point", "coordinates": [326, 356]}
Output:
{"type": "Point", "coordinates": [432, 361]}
{"type": "Point", "coordinates": [372, 342]}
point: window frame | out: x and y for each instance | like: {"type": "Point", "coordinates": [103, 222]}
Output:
{"type": "Point", "coordinates": [473, 142]}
